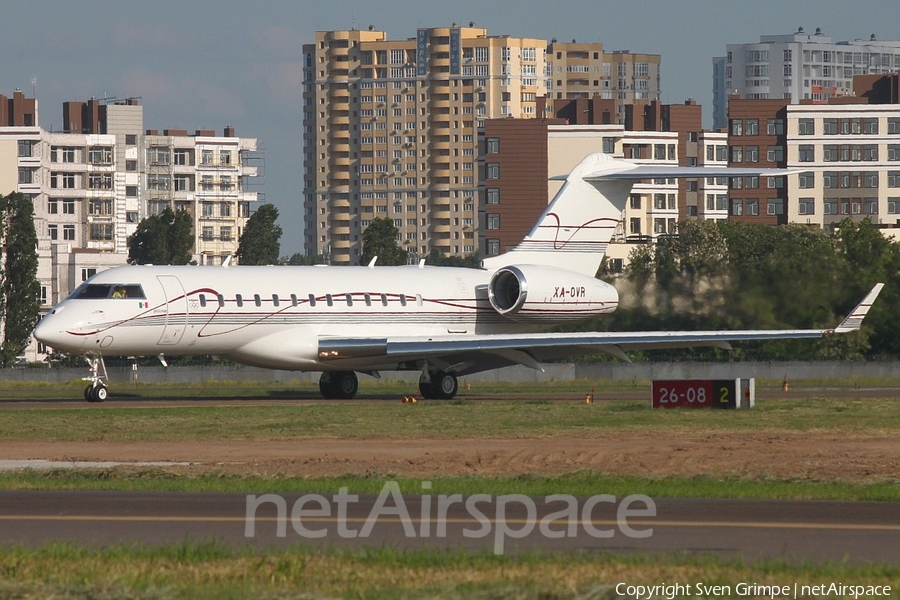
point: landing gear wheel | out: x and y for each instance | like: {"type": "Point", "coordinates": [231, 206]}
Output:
{"type": "Point", "coordinates": [97, 393]}
{"type": "Point", "coordinates": [338, 385]}
{"type": "Point", "coordinates": [425, 388]}
{"type": "Point", "coordinates": [438, 385]}
{"type": "Point", "coordinates": [445, 384]}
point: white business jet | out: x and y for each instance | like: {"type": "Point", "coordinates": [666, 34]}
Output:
{"type": "Point", "coordinates": [444, 322]}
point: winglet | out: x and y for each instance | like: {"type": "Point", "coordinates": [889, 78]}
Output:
{"type": "Point", "coordinates": [855, 318]}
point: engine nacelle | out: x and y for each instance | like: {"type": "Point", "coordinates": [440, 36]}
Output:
{"type": "Point", "coordinates": [539, 294]}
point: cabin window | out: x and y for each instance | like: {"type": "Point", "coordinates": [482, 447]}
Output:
{"type": "Point", "coordinates": [203, 300]}
{"type": "Point", "coordinates": [368, 299]}
{"type": "Point", "coordinates": [419, 299]}
{"type": "Point", "coordinates": [221, 299]}
{"type": "Point", "coordinates": [384, 300]}
{"type": "Point", "coordinates": [329, 300]}
{"type": "Point", "coordinates": [239, 300]}
{"type": "Point", "coordinates": [275, 301]}
{"type": "Point", "coordinates": [95, 291]}
{"type": "Point", "coordinates": [402, 299]}
{"type": "Point", "coordinates": [312, 300]}
{"type": "Point", "coordinates": [257, 300]}
{"type": "Point", "coordinates": [349, 298]}
{"type": "Point", "coordinates": [293, 299]}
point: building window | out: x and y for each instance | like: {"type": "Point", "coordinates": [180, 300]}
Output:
{"type": "Point", "coordinates": [492, 145]}
{"type": "Point", "coordinates": [752, 154]}
{"type": "Point", "coordinates": [775, 127]}
{"type": "Point", "coordinates": [100, 155]}
{"type": "Point", "coordinates": [53, 232]}
{"type": "Point", "coordinates": [807, 180]}
{"type": "Point", "coordinates": [492, 171]}
{"type": "Point", "coordinates": [737, 207]}
{"type": "Point", "coordinates": [751, 127]}
{"type": "Point", "coordinates": [26, 175]}
{"type": "Point", "coordinates": [492, 196]}
{"type": "Point", "coordinates": [207, 234]}
{"type": "Point", "coordinates": [775, 206]}
{"type": "Point", "coordinates": [737, 154]}
{"type": "Point", "coordinates": [62, 181]}
{"type": "Point", "coordinates": [492, 246]}
{"type": "Point", "coordinates": [806, 153]}
{"type": "Point", "coordinates": [737, 127]}
{"type": "Point", "coordinates": [753, 206]}
{"type": "Point", "coordinates": [26, 148]}
{"type": "Point", "coordinates": [634, 226]}
{"type": "Point", "coordinates": [806, 126]}
{"type": "Point", "coordinates": [806, 206]}
{"type": "Point", "coordinates": [775, 154]}
{"type": "Point", "coordinates": [492, 221]}
{"type": "Point", "coordinates": [101, 231]}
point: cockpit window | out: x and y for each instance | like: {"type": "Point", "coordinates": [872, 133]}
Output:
{"type": "Point", "coordinates": [95, 291]}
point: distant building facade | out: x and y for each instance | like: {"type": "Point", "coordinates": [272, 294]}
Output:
{"type": "Point", "coordinates": [92, 184]}
{"type": "Point", "coordinates": [848, 150]}
{"type": "Point", "coordinates": [391, 126]}
{"type": "Point", "coordinates": [797, 66]}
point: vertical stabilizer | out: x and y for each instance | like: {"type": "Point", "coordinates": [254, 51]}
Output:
{"type": "Point", "coordinates": [575, 229]}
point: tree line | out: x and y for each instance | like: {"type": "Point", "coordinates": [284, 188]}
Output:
{"type": "Point", "coordinates": [712, 275]}
{"type": "Point", "coordinates": [732, 275]}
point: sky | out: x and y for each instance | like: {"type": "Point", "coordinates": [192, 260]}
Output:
{"type": "Point", "coordinates": [203, 64]}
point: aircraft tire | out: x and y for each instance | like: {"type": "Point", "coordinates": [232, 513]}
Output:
{"type": "Point", "coordinates": [338, 385]}
{"type": "Point", "coordinates": [100, 393]}
{"type": "Point", "coordinates": [445, 385]}
{"type": "Point", "coordinates": [345, 384]}
{"type": "Point", "coordinates": [426, 389]}
{"type": "Point", "coordinates": [89, 393]}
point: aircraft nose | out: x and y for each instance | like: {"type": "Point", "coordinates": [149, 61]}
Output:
{"type": "Point", "coordinates": [49, 331]}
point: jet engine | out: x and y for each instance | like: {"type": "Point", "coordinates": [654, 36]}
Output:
{"type": "Point", "coordinates": [539, 294]}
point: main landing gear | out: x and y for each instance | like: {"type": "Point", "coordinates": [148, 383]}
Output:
{"type": "Point", "coordinates": [438, 385]}
{"type": "Point", "coordinates": [338, 385]}
{"type": "Point", "coordinates": [343, 385]}
{"type": "Point", "coordinates": [96, 391]}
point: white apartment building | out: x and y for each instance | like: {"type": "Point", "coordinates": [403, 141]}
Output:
{"type": "Point", "coordinates": [850, 154]}
{"type": "Point", "coordinates": [91, 189]}
{"type": "Point", "coordinates": [797, 66]}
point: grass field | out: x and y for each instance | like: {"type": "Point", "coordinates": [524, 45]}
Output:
{"type": "Point", "coordinates": [212, 571]}
{"type": "Point", "coordinates": [393, 420]}
{"type": "Point", "coordinates": [209, 570]}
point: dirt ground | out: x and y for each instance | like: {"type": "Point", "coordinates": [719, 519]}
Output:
{"type": "Point", "coordinates": [801, 455]}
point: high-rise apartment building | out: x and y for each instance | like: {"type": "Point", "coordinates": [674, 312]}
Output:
{"type": "Point", "coordinates": [795, 67]}
{"type": "Point", "coordinates": [584, 70]}
{"type": "Point", "coordinates": [390, 130]}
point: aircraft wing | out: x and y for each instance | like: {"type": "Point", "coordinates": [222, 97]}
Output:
{"type": "Point", "coordinates": [465, 354]}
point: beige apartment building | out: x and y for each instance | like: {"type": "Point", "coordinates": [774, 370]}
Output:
{"type": "Point", "coordinates": [391, 126]}
{"type": "Point", "coordinates": [585, 70]}
{"type": "Point", "coordinates": [390, 130]}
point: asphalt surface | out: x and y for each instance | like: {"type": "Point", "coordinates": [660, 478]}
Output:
{"type": "Point", "coordinates": [800, 531]}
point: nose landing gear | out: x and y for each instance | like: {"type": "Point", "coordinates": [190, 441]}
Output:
{"type": "Point", "coordinates": [96, 391]}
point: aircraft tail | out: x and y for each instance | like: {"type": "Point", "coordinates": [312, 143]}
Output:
{"type": "Point", "coordinates": [575, 230]}
{"type": "Point", "coordinates": [576, 227]}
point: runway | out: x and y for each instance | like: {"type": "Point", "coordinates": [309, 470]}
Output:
{"type": "Point", "coordinates": [810, 531]}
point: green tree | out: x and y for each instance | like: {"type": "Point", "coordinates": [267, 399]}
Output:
{"type": "Point", "coordinates": [298, 258]}
{"type": "Point", "coordinates": [437, 258]}
{"type": "Point", "coordinates": [163, 239]}
{"type": "Point", "coordinates": [380, 239]}
{"type": "Point", "coordinates": [260, 243]}
{"type": "Point", "coordinates": [19, 287]}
